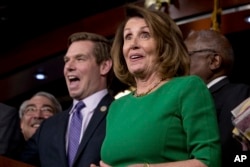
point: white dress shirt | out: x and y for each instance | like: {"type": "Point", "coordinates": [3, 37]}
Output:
{"type": "Point", "coordinates": [91, 103]}
{"type": "Point", "coordinates": [215, 81]}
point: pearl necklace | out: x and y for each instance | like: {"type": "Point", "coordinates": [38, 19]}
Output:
{"type": "Point", "coordinates": [149, 90]}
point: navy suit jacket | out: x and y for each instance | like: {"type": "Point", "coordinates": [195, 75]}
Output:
{"type": "Point", "coordinates": [48, 143]}
{"type": "Point", "coordinates": [226, 97]}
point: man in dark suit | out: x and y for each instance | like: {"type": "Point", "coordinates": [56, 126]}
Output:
{"type": "Point", "coordinates": [212, 59]}
{"type": "Point", "coordinates": [87, 73]}
{"type": "Point", "coordinates": [10, 133]}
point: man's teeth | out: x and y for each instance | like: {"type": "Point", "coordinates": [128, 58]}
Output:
{"type": "Point", "coordinates": [36, 125]}
{"type": "Point", "coordinates": [72, 77]}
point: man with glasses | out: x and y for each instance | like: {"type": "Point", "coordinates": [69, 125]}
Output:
{"type": "Point", "coordinates": [33, 111]}
{"type": "Point", "coordinates": [212, 59]}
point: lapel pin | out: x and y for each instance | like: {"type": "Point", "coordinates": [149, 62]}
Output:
{"type": "Point", "coordinates": [103, 108]}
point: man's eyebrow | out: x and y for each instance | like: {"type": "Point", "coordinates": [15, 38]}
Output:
{"type": "Point", "coordinates": [47, 105]}
{"type": "Point", "coordinates": [30, 105]}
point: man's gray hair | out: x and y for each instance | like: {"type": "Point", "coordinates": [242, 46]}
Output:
{"type": "Point", "coordinates": [56, 105]}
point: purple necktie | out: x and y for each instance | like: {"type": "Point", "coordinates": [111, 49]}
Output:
{"type": "Point", "coordinates": [75, 132]}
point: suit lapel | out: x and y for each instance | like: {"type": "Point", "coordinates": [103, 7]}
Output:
{"type": "Point", "coordinates": [61, 133]}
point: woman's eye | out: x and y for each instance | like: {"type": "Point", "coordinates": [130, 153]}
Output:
{"type": "Point", "coordinates": [127, 37]}
{"type": "Point", "coordinates": [145, 35]}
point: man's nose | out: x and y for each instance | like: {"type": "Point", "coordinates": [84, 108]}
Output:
{"type": "Point", "coordinates": [70, 65]}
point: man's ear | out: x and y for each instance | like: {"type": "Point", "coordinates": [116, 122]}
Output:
{"type": "Point", "coordinates": [21, 125]}
{"type": "Point", "coordinates": [105, 67]}
{"type": "Point", "coordinates": [215, 61]}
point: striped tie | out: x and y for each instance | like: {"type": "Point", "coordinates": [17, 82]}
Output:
{"type": "Point", "coordinates": [74, 132]}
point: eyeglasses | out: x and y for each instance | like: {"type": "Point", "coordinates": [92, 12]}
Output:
{"type": "Point", "coordinates": [31, 110]}
{"type": "Point", "coordinates": [200, 51]}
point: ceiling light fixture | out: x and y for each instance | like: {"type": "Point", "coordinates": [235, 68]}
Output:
{"type": "Point", "coordinates": [40, 75]}
{"type": "Point", "coordinates": [247, 19]}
